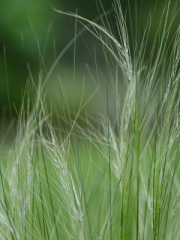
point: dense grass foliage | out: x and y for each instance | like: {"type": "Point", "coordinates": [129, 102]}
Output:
{"type": "Point", "coordinates": [116, 177]}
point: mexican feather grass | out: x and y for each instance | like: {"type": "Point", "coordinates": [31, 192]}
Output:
{"type": "Point", "coordinates": [116, 179]}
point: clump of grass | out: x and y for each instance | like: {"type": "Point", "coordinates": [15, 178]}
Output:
{"type": "Point", "coordinates": [118, 180]}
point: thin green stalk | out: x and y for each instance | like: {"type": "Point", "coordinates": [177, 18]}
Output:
{"type": "Point", "coordinates": [131, 25]}
{"type": "Point", "coordinates": [137, 150]}
{"type": "Point", "coordinates": [170, 194]}
{"type": "Point", "coordinates": [109, 158]}
{"type": "Point", "coordinates": [37, 42]}
{"type": "Point", "coordinates": [154, 176]}
{"type": "Point", "coordinates": [97, 174]}
{"type": "Point", "coordinates": [9, 101]}
{"type": "Point", "coordinates": [145, 212]}
{"type": "Point", "coordinates": [117, 188]}
{"type": "Point", "coordinates": [130, 174]}
{"type": "Point", "coordinates": [25, 54]}
{"type": "Point", "coordinates": [136, 34]}
{"type": "Point", "coordinates": [76, 141]}
{"type": "Point", "coordinates": [47, 39]}
{"type": "Point", "coordinates": [75, 90]}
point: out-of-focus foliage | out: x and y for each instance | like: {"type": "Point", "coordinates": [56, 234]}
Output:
{"type": "Point", "coordinates": [53, 31]}
{"type": "Point", "coordinates": [18, 38]}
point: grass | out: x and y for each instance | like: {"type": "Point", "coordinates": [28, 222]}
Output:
{"type": "Point", "coordinates": [116, 177]}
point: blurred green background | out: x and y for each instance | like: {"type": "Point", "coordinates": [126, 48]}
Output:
{"type": "Point", "coordinates": [21, 21]}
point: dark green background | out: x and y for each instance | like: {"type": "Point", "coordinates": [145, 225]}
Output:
{"type": "Point", "coordinates": [18, 39]}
